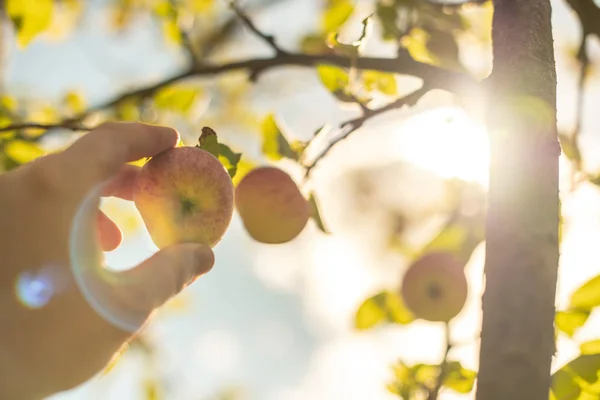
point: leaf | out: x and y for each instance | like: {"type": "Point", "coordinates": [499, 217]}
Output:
{"type": "Point", "coordinates": [200, 6]}
{"type": "Point", "coordinates": [74, 102]}
{"type": "Point", "coordinates": [274, 144]}
{"type": "Point", "coordinates": [229, 159]}
{"type": "Point", "coordinates": [336, 14]}
{"type": "Point", "coordinates": [578, 377]}
{"type": "Point", "coordinates": [333, 78]}
{"type": "Point", "coordinates": [383, 307]}
{"type": "Point", "coordinates": [128, 110]}
{"type": "Point", "coordinates": [151, 390]}
{"type": "Point", "coordinates": [404, 384]}
{"type": "Point", "coordinates": [570, 321]}
{"type": "Point", "coordinates": [30, 18]}
{"type": "Point", "coordinates": [384, 82]}
{"type": "Point", "coordinates": [171, 31]}
{"type": "Point", "coordinates": [590, 347]}
{"type": "Point", "coordinates": [388, 15]}
{"type": "Point", "coordinates": [22, 151]}
{"type": "Point", "coordinates": [355, 48]}
{"type": "Point", "coordinates": [243, 167]}
{"type": "Point", "coordinates": [569, 148]}
{"type": "Point", "coordinates": [315, 214]}
{"type": "Point", "coordinates": [587, 296]}
{"type": "Point", "coordinates": [337, 81]}
{"type": "Point", "coordinates": [314, 44]}
{"type": "Point", "coordinates": [178, 98]}
{"type": "Point", "coordinates": [458, 378]}
{"type": "Point", "coordinates": [433, 46]}
{"type": "Point", "coordinates": [208, 141]}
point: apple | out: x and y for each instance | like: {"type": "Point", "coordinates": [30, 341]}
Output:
{"type": "Point", "coordinates": [184, 195]}
{"type": "Point", "coordinates": [272, 208]}
{"type": "Point", "coordinates": [434, 287]}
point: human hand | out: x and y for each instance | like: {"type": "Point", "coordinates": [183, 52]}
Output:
{"type": "Point", "coordinates": [65, 342]}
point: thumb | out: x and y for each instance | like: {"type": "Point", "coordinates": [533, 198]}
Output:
{"type": "Point", "coordinates": [162, 276]}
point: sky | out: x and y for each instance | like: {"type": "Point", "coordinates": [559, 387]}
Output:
{"type": "Point", "coordinates": [277, 320]}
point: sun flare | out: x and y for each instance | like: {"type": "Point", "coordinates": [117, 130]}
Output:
{"type": "Point", "coordinates": [447, 142]}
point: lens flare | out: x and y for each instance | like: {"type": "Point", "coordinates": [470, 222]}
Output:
{"type": "Point", "coordinates": [34, 289]}
{"type": "Point", "coordinates": [97, 283]}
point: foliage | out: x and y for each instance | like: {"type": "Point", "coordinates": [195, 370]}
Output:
{"type": "Point", "coordinates": [427, 39]}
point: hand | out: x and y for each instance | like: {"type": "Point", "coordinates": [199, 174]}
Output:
{"type": "Point", "coordinates": [65, 342]}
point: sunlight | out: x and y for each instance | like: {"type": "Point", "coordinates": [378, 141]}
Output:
{"type": "Point", "coordinates": [446, 142]}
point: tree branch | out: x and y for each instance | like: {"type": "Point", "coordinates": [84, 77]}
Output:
{"type": "Point", "coordinates": [589, 15]}
{"type": "Point", "coordinates": [433, 394]}
{"type": "Point", "coordinates": [269, 39]}
{"type": "Point", "coordinates": [33, 125]}
{"type": "Point", "coordinates": [350, 126]}
{"type": "Point", "coordinates": [186, 40]}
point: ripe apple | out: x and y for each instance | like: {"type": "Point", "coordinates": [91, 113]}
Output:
{"type": "Point", "coordinates": [184, 195]}
{"type": "Point", "coordinates": [434, 287]}
{"type": "Point", "coordinates": [271, 206]}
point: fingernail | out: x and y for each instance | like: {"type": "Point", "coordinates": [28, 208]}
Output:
{"type": "Point", "coordinates": [205, 259]}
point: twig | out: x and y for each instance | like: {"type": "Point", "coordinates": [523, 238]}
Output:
{"type": "Point", "coordinates": [352, 125]}
{"type": "Point", "coordinates": [185, 36]}
{"type": "Point", "coordinates": [588, 13]}
{"type": "Point", "coordinates": [269, 39]}
{"type": "Point", "coordinates": [33, 125]}
{"type": "Point", "coordinates": [435, 77]}
{"type": "Point", "coordinates": [434, 393]}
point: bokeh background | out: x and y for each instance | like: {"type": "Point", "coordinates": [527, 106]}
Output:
{"type": "Point", "coordinates": [278, 322]}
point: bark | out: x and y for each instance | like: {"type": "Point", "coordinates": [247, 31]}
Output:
{"type": "Point", "coordinates": [517, 340]}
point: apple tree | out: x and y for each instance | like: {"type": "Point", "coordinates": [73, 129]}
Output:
{"type": "Point", "coordinates": [373, 58]}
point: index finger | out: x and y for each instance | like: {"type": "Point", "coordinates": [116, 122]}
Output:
{"type": "Point", "coordinates": [100, 154]}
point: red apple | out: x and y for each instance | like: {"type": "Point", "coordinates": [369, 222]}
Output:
{"type": "Point", "coordinates": [185, 195]}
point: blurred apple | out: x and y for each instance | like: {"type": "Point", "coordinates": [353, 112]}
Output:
{"type": "Point", "coordinates": [434, 287]}
{"type": "Point", "coordinates": [271, 206]}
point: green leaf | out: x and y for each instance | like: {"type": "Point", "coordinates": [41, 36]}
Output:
{"type": "Point", "coordinates": [30, 18]}
{"type": "Point", "coordinates": [178, 98]}
{"type": "Point", "coordinates": [229, 159]}
{"type": "Point", "coordinates": [433, 46]}
{"type": "Point", "coordinates": [151, 390]}
{"type": "Point", "coordinates": [275, 146]}
{"type": "Point", "coordinates": [404, 384]}
{"type": "Point", "coordinates": [355, 48]}
{"type": "Point", "coordinates": [315, 214]}
{"type": "Point", "coordinates": [208, 141]}
{"type": "Point", "coordinates": [336, 14]}
{"type": "Point", "coordinates": [570, 321]}
{"type": "Point", "coordinates": [590, 347]}
{"type": "Point", "coordinates": [569, 148]}
{"type": "Point", "coordinates": [578, 379]}
{"type": "Point", "coordinates": [384, 82]}
{"type": "Point", "coordinates": [587, 296]}
{"type": "Point", "coordinates": [171, 31]}
{"type": "Point", "coordinates": [337, 81]}
{"type": "Point", "coordinates": [383, 307]}
{"type": "Point", "coordinates": [314, 44]}
{"type": "Point", "coordinates": [458, 378]}
{"type": "Point", "coordinates": [74, 102]}
{"type": "Point", "coordinates": [333, 78]}
{"type": "Point", "coordinates": [22, 151]}
{"type": "Point", "coordinates": [242, 168]}
{"type": "Point", "coordinates": [388, 15]}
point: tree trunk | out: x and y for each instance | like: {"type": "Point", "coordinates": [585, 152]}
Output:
{"type": "Point", "coordinates": [517, 339]}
